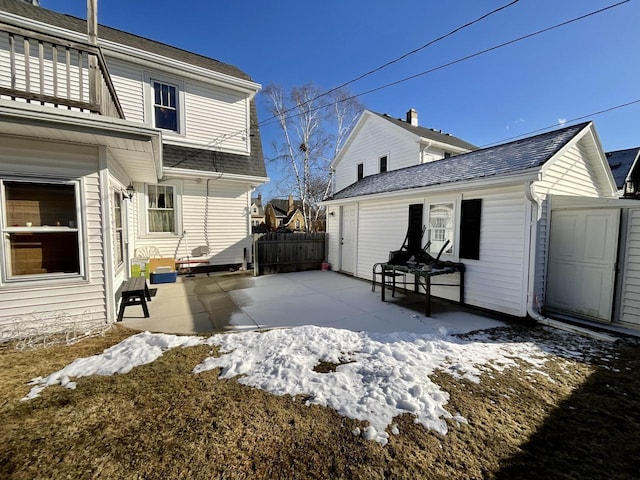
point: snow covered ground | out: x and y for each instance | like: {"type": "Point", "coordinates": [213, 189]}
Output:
{"type": "Point", "coordinates": [377, 375]}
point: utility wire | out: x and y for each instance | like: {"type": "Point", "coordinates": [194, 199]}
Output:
{"type": "Point", "coordinates": [462, 59]}
{"type": "Point", "coordinates": [401, 57]}
{"type": "Point", "coordinates": [349, 82]}
{"type": "Point", "coordinates": [275, 119]}
{"type": "Point", "coordinates": [582, 117]}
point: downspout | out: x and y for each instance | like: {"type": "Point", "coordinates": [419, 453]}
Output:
{"type": "Point", "coordinates": [532, 307]}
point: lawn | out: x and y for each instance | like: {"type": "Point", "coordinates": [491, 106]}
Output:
{"type": "Point", "coordinates": [575, 415]}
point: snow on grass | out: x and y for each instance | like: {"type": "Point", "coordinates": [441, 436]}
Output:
{"type": "Point", "coordinates": [134, 351]}
{"type": "Point", "coordinates": [378, 376]}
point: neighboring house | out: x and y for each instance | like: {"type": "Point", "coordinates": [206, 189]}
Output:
{"type": "Point", "coordinates": [285, 213]}
{"type": "Point", "coordinates": [626, 171]}
{"type": "Point", "coordinates": [257, 211]}
{"type": "Point", "coordinates": [108, 148]}
{"type": "Point", "coordinates": [380, 143]}
{"type": "Point", "coordinates": [535, 221]}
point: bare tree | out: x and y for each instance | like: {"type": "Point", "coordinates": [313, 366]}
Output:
{"type": "Point", "coordinates": [314, 127]}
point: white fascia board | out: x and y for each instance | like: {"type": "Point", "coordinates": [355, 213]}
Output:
{"type": "Point", "coordinates": [170, 65]}
{"type": "Point", "coordinates": [589, 130]}
{"type": "Point", "coordinates": [173, 172]}
{"type": "Point", "coordinates": [135, 55]}
{"type": "Point", "coordinates": [46, 114]}
{"type": "Point", "coordinates": [476, 184]}
{"type": "Point", "coordinates": [358, 126]}
{"type": "Point", "coordinates": [442, 145]}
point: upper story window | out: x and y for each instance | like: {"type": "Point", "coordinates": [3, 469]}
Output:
{"type": "Point", "coordinates": [383, 164]}
{"type": "Point", "coordinates": [39, 227]}
{"type": "Point", "coordinates": [161, 208]}
{"type": "Point", "coordinates": [360, 171]}
{"type": "Point", "coordinates": [165, 105]}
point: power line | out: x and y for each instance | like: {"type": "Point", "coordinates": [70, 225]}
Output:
{"type": "Point", "coordinates": [582, 117]}
{"type": "Point", "coordinates": [360, 77]}
{"type": "Point", "coordinates": [462, 59]}
{"type": "Point", "coordinates": [275, 119]}
{"type": "Point", "coordinates": [401, 57]}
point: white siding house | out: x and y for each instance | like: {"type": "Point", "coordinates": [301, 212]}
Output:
{"type": "Point", "coordinates": [107, 149]}
{"type": "Point", "coordinates": [517, 187]}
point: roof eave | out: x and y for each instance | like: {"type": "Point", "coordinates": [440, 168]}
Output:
{"type": "Point", "coordinates": [188, 173]}
{"type": "Point", "coordinates": [473, 184]}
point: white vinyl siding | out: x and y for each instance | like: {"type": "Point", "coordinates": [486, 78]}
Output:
{"type": "Point", "coordinates": [570, 174]}
{"type": "Point", "coordinates": [496, 281]}
{"type": "Point", "coordinates": [226, 223]}
{"type": "Point", "coordinates": [630, 305]}
{"type": "Point", "coordinates": [128, 82]}
{"type": "Point", "coordinates": [376, 137]}
{"type": "Point", "coordinates": [212, 115]}
{"type": "Point", "coordinates": [47, 307]}
{"type": "Point", "coordinates": [215, 114]}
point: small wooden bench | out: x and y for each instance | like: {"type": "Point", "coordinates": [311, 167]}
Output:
{"type": "Point", "coordinates": [135, 291]}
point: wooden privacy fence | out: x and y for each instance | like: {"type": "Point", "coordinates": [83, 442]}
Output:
{"type": "Point", "coordinates": [288, 252]}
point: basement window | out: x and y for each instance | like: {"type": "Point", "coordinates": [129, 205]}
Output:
{"type": "Point", "coordinates": [40, 231]}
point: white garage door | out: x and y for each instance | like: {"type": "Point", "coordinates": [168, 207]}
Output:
{"type": "Point", "coordinates": [582, 260]}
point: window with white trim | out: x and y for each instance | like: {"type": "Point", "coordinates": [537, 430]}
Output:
{"type": "Point", "coordinates": [161, 203]}
{"type": "Point", "coordinates": [40, 231]}
{"type": "Point", "coordinates": [165, 105]}
{"type": "Point", "coordinates": [118, 233]}
{"type": "Point", "coordinates": [441, 227]}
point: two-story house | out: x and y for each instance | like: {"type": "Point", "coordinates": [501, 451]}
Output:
{"type": "Point", "coordinates": [112, 143]}
{"type": "Point", "coordinates": [536, 222]}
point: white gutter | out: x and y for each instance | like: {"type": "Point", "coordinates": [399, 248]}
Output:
{"type": "Point", "coordinates": [444, 146]}
{"type": "Point", "coordinates": [174, 172]}
{"type": "Point", "coordinates": [532, 308]}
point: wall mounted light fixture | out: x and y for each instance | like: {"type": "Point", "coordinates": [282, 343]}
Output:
{"type": "Point", "coordinates": [129, 192]}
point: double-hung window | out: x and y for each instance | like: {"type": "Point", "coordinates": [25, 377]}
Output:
{"type": "Point", "coordinates": [161, 208]}
{"type": "Point", "coordinates": [118, 235]}
{"type": "Point", "coordinates": [165, 105]}
{"type": "Point", "coordinates": [40, 230]}
{"type": "Point", "coordinates": [441, 227]}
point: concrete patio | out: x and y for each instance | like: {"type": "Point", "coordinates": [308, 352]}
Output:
{"type": "Point", "coordinates": [239, 301]}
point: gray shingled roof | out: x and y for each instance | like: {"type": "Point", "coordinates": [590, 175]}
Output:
{"type": "Point", "coordinates": [502, 159]}
{"type": "Point", "coordinates": [429, 133]}
{"type": "Point", "coordinates": [23, 9]}
{"type": "Point", "coordinates": [621, 162]}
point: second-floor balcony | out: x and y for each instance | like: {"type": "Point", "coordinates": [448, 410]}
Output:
{"type": "Point", "coordinates": [44, 70]}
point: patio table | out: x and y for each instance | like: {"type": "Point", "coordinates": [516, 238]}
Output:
{"type": "Point", "coordinates": [422, 274]}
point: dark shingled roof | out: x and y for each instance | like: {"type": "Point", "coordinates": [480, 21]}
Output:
{"type": "Point", "coordinates": [23, 9]}
{"type": "Point", "coordinates": [429, 133]}
{"type": "Point", "coordinates": [621, 162]}
{"type": "Point", "coordinates": [502, 159]}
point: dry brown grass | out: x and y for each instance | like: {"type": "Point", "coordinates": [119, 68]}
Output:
{"type": "Point", "coordinates": [161, 421]}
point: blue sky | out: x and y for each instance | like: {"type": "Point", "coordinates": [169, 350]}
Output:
{"type": "Point", "coordinates": [567, 73]}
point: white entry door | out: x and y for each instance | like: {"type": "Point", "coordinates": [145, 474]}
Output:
{"type": "Point", "coordinates": [582, 260]}
{"type": "Point", "coordinates": [348, 239]}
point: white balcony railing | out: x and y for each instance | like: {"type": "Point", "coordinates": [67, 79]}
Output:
{"type": "Point", "coordinates": [46, 70]}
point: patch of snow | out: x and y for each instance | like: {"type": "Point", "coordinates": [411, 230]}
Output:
{"type": "Point", "coordinates": [134, 351]}
{"type": "Point", "coordinates": [378, 376]}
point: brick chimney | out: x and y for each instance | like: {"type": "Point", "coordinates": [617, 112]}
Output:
{"type": "Point", "coordinates": [412, 117]}
{"type": "Point", "coordinates": [290, 209]}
